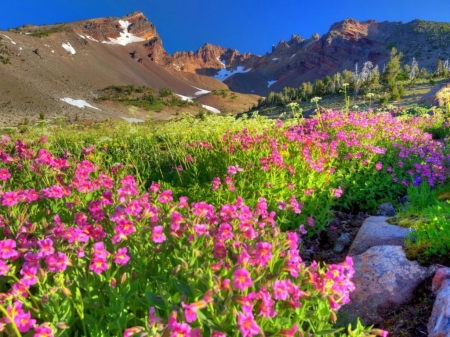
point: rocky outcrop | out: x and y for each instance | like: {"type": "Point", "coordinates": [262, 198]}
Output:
{"type": "Point", "coordinates": [439, 322]}
{"type": "Point", "coordinates": [437, 96]}
{"type": "Point", "coordinates": [384, 279]}
{"type": "Point", "coordinates": [208, 59]}
{"type": "Point", "coordinates": [375, 231]}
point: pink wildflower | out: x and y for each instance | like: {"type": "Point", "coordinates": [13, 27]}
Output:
{"type": "Point", "coordinates": [121, 256]}
{"type": "Point", "coordinates": [242, 279]}
{"type": "Point", "coordinates": [7, 249]}
{"type": "Point", "coordinates": [378, 166]}
{"type": "Point", "coordinates": [98, 264]}
{"type": "Point", "coordinates": [41, 331]}
{"type": "Point", "coordinates": [280, 290]}
{"type": "Point", "coordinates": [165, 197]}
{"type": "Point", "coordinates": [158, 235]}
{"type": "Point", "coordinates": [247, 325]}
{"type": "Point", "coordinates": [24, 322]}
{"type": "Point", "coordinates": [4, 174]}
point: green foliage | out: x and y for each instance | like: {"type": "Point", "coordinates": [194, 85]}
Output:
{"type": "Point", "coordinates": [223, 93]}
{"type": "Point", "coordinates": [143, 97]}
{"type": "Point", "coordinates": [47, 32]}
{"type": "Point", "coordinates": [5, 60]}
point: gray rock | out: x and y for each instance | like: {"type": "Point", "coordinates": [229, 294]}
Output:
{"type": "Point", "coordinates": [384, 279]}
{"type": "Point", "coordinates": [386, 209]}
{"type": "Point", "coordinates": [343, 241]}
{"type": "Point", "coordinates": [375, 231]}
{"type": "Point", "coordinates": [332, 236]}
{"type": "Point", "coordinates": [439, 322]}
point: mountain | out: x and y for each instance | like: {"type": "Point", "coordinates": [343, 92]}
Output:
{"type": "Point", "coordinates": [40, 65]}
{"type": "Point", "coordinates": [298, 60]}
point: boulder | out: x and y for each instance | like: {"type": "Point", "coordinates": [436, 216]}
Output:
{"type": "Point", "coordinates": [436, 96]}
{"type": "Point", "coordinates": [384, 279]}
{"type": "Point", "coordinates": [375, 231]}
{"type": "Point", "coordinates": [341, 243]}
{"type": "Point", "coordinates": [439, 322]}
{"type": "Point", "coordinates": [386, 209]}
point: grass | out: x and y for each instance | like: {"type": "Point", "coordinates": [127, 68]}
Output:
{"type": "Point", "coordinates": [143, 97]}
{"type": "Point", "coordinates": [46, 32]}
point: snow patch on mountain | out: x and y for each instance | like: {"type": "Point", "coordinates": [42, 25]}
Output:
{"type": "Point", "coordinates": [269, 83]}
{"type": "Point", "coordinates": [185, 98]}
{"type": "Point", "coordinates": [223, 74]}
{"type": "Point", "coordinates": [78, 103]}
{"type": "Point", "coordinates": [68, 47]}
{"type": "Point", "coordinates": [210, 108]}
{"type": "Point", "coordinates": [132, 120]}
{"type": "Point", "coordinates": [125, 37]}
{"type": "Point", "coordinates": [9, 39]}
{"type": "Point", "coordinates": [201, 92]}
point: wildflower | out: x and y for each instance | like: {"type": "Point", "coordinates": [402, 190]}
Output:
{"type": "Point", "coordinates": [57, 262]}
{"type": "Point", "coordinates": [417, 181]}
{"type": "Point", "coordinates": [10, 198]}
{"type": "Point", "coordinates": [190, 310]}
{"type": "Point", "coordinates": [41, 331]}
{"type": "Point", "coordinates": [216, 183]}
{"type": "Point", "coordinates": [98, 264]}
{"type": "Point", "coordinates": [24, 322]}
{"type": "Point", "coordinates": [218, 334]}
{"type": "Point", "coordinates": [280, 290]}
{"type": "Point", "coordinates": [154, 188]}
{"type": "Point", "coordinates": [302, 229]}
{"type": "Point", "coordinates": [234, 169]}
{"type": "Point", "coordinates": [247, 325]}
{"type": "Point", "coordinates": [46, 247]}
{"type": "Point", "coordinates": [242, 279]}
{"type": "Point", "coordinates": [165, 197]}
{"type": "Point", "coordinates": [29, 276]}
{"type": "Point", "coordinates": [4, 269]}
{"type": "Point", "coordinates": [180, 330]}
{"type": "Point", "coordinates": [4, 174]}
{"type": "Point", "coordinates": [7, 249]}
{"type": "Point", "coordinates": [158, 235]}
{"type": "Point", "coordinates": [121, 256]}
{"type": "Point", "coordinates": [281, 205]}
{"type": "Point", "coordinates": [378, 166]}
{"type": "Point", "coordinates": [263, 252]}
{"type": "Point", "coordinates": [311, 221]}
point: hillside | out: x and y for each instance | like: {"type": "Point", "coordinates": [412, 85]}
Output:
{"type": "Point", "coordinates": [42, 65]}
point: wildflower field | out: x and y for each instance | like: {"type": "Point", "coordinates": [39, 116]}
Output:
{"type": "Point", "coordinates": [195, 227]}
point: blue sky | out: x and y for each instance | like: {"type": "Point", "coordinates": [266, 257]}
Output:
{"type": "Point", "coordinates": [246, 25]}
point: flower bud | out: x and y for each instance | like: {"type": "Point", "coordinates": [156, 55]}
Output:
{"type": "Point", "coordinates": [66, 291]}
{"type": "Point", "coordinates": [62, 325]}
{"type": "Point", "coordinates": [333, 317]}
{"type": "Point", "coordinates": [176, 270]}
{"type": "Point", "coordinates": [123, 278]}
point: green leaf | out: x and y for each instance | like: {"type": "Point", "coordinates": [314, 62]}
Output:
{"type": "Point", "coordinates": [328, 331]}
{"type": "Point", "coordinates": [183, 287]}
{"type": "Point", "coordinates": [156, 300]}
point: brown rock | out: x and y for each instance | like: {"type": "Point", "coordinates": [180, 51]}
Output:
{"type": "Point", "coordinates": [436, 95]}
{"type": "Point", "coordinates": [384, 279]}
{"type": "Point", "coordinates": [439, 322]}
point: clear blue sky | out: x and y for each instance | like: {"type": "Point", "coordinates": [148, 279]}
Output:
{"type": "Point", "coordinates": [246, 25]}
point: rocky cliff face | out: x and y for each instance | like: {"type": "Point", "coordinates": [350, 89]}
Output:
{"type": "Point", "coordinates": [346, 44]}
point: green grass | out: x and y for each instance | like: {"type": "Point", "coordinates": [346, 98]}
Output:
{"type": "Point", "coordinates": [143, 97]}
{"type": "Point", "coordinates": [47, 32]}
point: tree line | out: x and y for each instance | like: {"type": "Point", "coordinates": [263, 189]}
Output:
{"type": "Point", "coordinates": [389, 82]}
